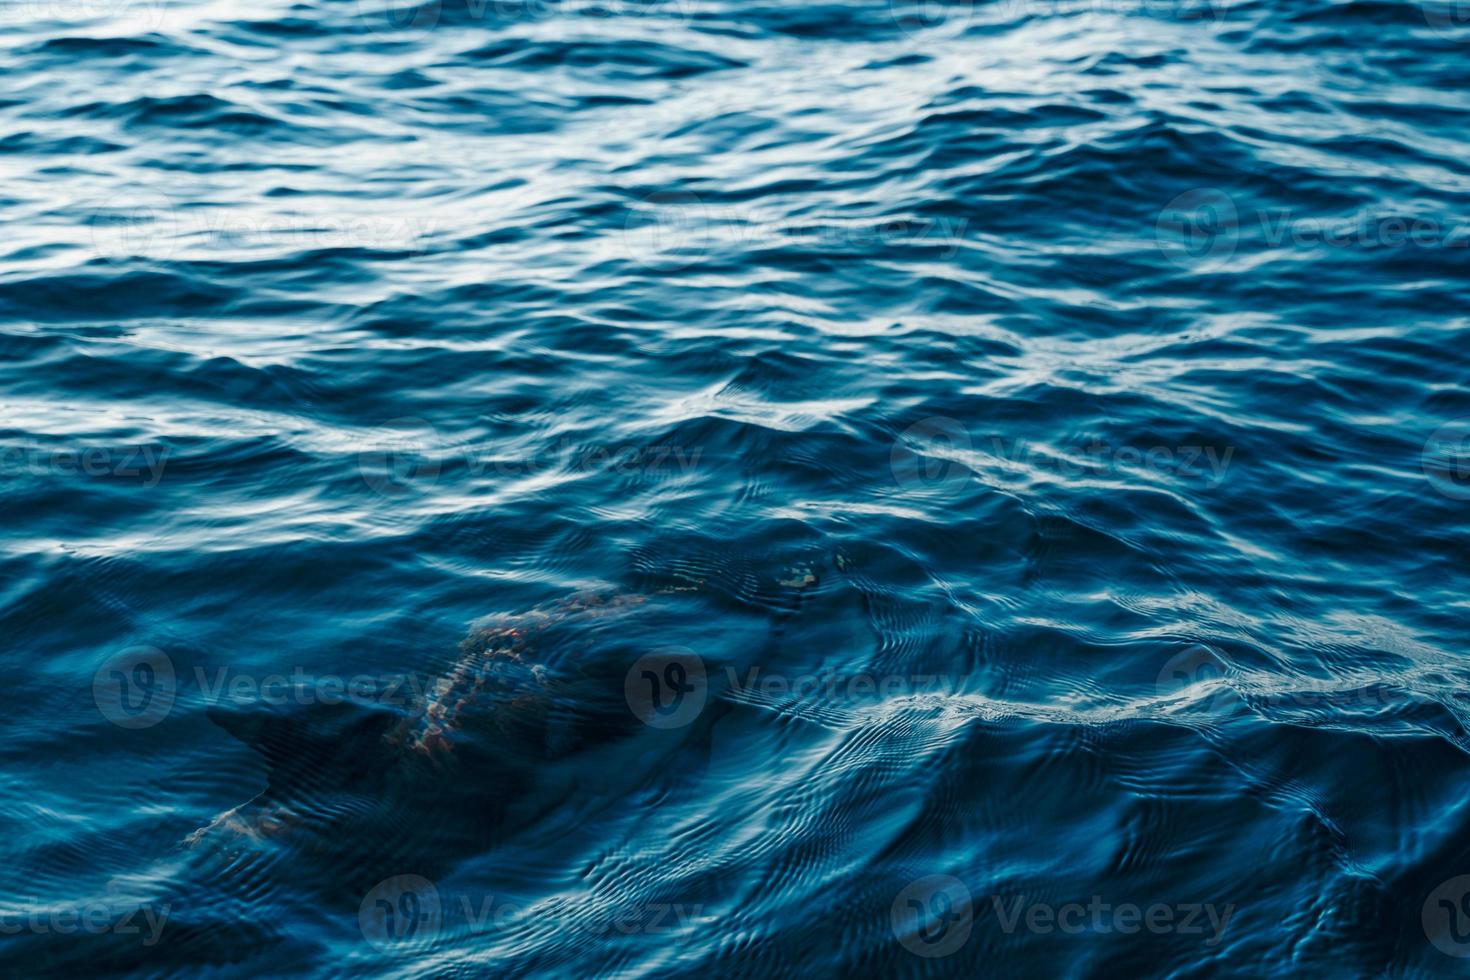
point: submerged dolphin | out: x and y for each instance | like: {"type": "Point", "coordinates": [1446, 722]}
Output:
{"type": "Point", "coordinates": [531, 715]}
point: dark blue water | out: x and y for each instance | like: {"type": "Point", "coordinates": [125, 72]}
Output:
{"type": "Point", "coordinates": [695, 488]}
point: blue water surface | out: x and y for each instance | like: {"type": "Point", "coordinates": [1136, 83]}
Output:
{"type": "Point", "coordinates": [686, 488]}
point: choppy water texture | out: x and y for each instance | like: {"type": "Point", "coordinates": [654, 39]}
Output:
{"type": "Point", "coordinates": [735, 489]}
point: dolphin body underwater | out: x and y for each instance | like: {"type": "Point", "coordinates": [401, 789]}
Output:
{"type": "Point", "coordinates": [538, 713]}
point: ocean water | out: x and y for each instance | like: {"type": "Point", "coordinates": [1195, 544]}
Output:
{"type": "Point", "coordinates": [693, 488]}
